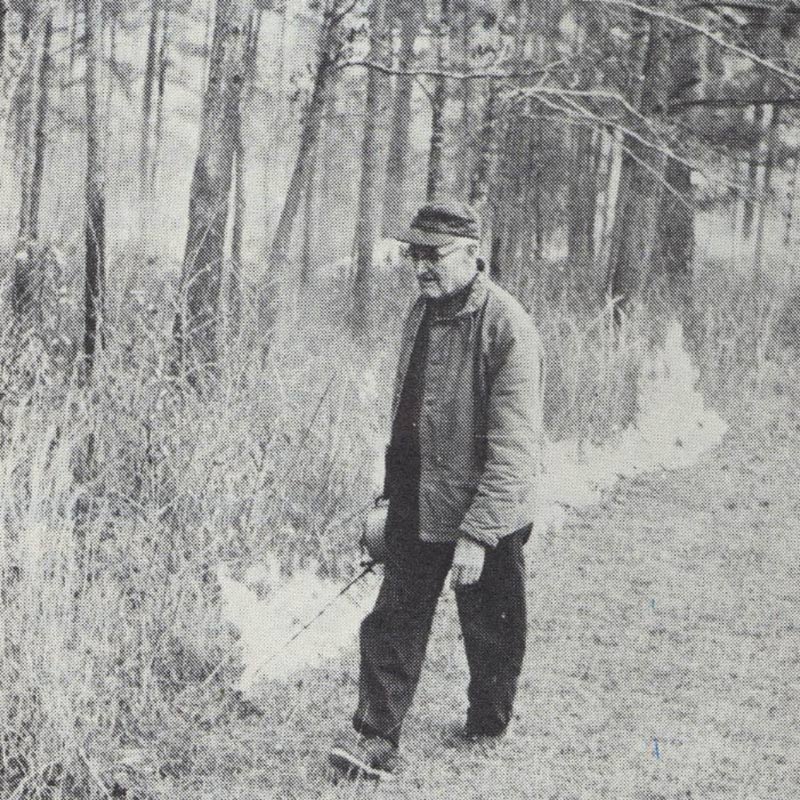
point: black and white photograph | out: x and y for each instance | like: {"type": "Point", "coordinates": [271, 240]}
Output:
{"type": "Point", "coordinates": [399, 399]}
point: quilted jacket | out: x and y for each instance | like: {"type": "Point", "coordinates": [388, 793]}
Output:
{"type": "Point", "coordinates": [480, 426]}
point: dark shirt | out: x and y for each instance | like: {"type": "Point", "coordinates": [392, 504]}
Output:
{"type": "Point", "coordinates": [403, 453]}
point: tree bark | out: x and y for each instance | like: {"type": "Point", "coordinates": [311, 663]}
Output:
{"type": "Point", "coordinates": [161, 83]}
{"type": "Point", "coordinates": [642, 168]}
{"type": "Point", "coordinates": [582, 199]}
{"type": "Point", "coordinates": [436, 152]}
{"type": "Point", "coordinates": [465, 142]}
{"type": "Point", "coordinates": [675, 246]}
{"type": "Point", "coordinates": [394, 198]}
{"type": "Point", "coordinates": [147, 96]}
{"type": "Point", "coordinates": [25, 136]}
{"type": "Point", "coordinates": [26, 293]}
{"type": "Point", "coordinates": [3, 12]}
{"type": "Point", "coordinates": [769, 162]}
{"type": "Point", "coordinates": [234, 278]}
{"type": "Point", "coordinates": [582, 186]}
{"type": "Point", "coordinates": [791, 203]}
{"type": "Point", "coordinates": [209, 198]}
{"type": "Point", "coordinates": [73, 36]}
{"type": "Point", "coordinates": [95, 268]}
{"type": "Point", "coordinates": [481, 175]}
{"type": "Point", "coordinates": [40, 134]}
{"type": "Point", "coordinates": [112, 70]}
{"type": "Point", "coordinates": [752, 172]}
{"type": "Point", "coordinates": [369, 212]}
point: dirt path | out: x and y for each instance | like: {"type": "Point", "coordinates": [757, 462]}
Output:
{"type": "Point", "coordinates": [663, 659]}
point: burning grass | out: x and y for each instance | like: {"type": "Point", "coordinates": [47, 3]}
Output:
{"type": "Point", "coordinates": [118, 499]}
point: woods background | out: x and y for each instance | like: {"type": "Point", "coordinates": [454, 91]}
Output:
{"type": "Point", "coordinates": [201, 295]}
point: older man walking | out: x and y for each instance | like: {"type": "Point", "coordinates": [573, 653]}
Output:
{"type": "Point", "coordinates": [460, 466]}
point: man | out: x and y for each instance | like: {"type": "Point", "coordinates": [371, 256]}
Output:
{"type": "Point", "coordinates": [460, 466]}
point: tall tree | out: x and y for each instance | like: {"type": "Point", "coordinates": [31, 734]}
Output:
{"type": "Point", "coordinates": [27, 273]}
{"type": "Point", "coordinates": [397, 162]}
{"type": "Point", "coordinates": [161, 84]}
{"type": "Point", "coordinates": [3, 12]}
{"type": "Point", "coordinates": [369, 211]}
{"type": "Point", "coordinates": [147, 93]}
{"type": "Point", "coordinates": [320, 163]}
{"type": "Point", "coordinates": [674, 249]}
{"type": "Point", "coordinates": [234, 277]}
{"type": "Point", "coordinates": [487, 149]}
{"type": "Point", "coordinates": [465, 140]}
{"type": "Point", "coordinates": [95, 234]}
{"type": "Point", "coordinates": [209, 198]}
{"type": "Point", "coordinates": [438, 101]}
{"type": "Point", "coordinates": [642, 168]}
{"type": "Point", "coordinates": [582, 188]}
{"type": "Point", "coordinates": [774, 48]}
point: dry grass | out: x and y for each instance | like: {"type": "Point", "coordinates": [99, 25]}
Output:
{"type": "Point", "coordinates": [117, 500]}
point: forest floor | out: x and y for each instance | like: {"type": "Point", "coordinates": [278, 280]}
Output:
{"type": "Point", "coordinates": [663, 654]}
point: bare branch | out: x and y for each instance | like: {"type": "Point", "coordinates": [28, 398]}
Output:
{"type": "Point", "coordinates": [733, 102]}
{"type": "Point", "coordinates": [456, 76]}
{"type": "Point", "coordinates": [717, 38]}
{"type": "Point", "coordinates": [574, 108]}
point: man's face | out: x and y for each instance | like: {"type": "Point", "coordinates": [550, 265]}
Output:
{"type": "Point", "coordinates": [442, 271]}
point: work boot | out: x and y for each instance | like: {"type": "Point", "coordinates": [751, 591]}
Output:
{"type": "Point", "coordinates": [356, 755]}
{"type": "Point", "coordinates": [473, 732]}
{"type": "Point", "coordinates": [470, 735]}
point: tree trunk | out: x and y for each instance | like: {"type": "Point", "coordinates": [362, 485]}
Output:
{"type": "Point", "coordinates": [73, 36]}
{"type": "Point", "coordinates": [26, 294]}
{"type": "Point", "coordinates": [95, 189]}
{"type": "Point", "coordinates": [27, 21]}
{"type": "Point", "coordinates": [675, 247]}
{"type": "Point", "coordinates": [330, 47]}
{"type": "Point", "coordinates": [163, 63]}
{"type": "Point", "coordinates": [147, 97]}
{"type": "Point", "coordinates": [608, 160]}
{"type": "Point", "coordinates": [436, 152]}
{"type": "Point", "coordinates": [465, 143]}
{"type": "Point", "coordinates": [3, 12]}
{"type": "Point", "coordinates": [369, 213]}
{"type": "Point", "coordinates": [642, 168]}
{"type": "Point", "coordinates": [394, 198]}
{"type": "Point", "coordinates": [764, 199]}
{"type": "Point", "coordinates": [25, 139]}
{"type": "Point", "coordinates": [515, 216]}
{"type": "Point", "coordinates": [582, 188]}
{"type": "Point", "coordinates": [40, 134]}
{"type": "Point", "coordinates": [791, 204]}
{"type": "Point", "coordinates": [752, 172]}
{"type": "Point", "coordinates": [208, 32]}
{"type": "Point", "coordinates": [112, 71]}
{"type": "Point", "coordinates": [209, 197]}
{"type": "Point", "coordinates": [308, 220]}
{"type": "Point", "coordinates": [675, 252]}
{"type": "Point", "coordinates": [582, 199]}
{"type": "Point", "coordinates": [234, 278]}
{"type": "Point", "coordinates": [482, 174]}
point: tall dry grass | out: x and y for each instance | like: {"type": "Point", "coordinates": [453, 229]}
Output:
{"type": "Point", "coordinates": [117, 500]}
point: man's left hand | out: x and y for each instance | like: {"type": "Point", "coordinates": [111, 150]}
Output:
{"type": "Point", "coordinates": [467, 563]}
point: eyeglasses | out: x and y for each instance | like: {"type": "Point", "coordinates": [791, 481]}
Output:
{"type": "Point", "coordinates": [425, 252]}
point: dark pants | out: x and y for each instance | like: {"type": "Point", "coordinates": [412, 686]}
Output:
{"type": "Point", "coordinates": [394, 636]}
